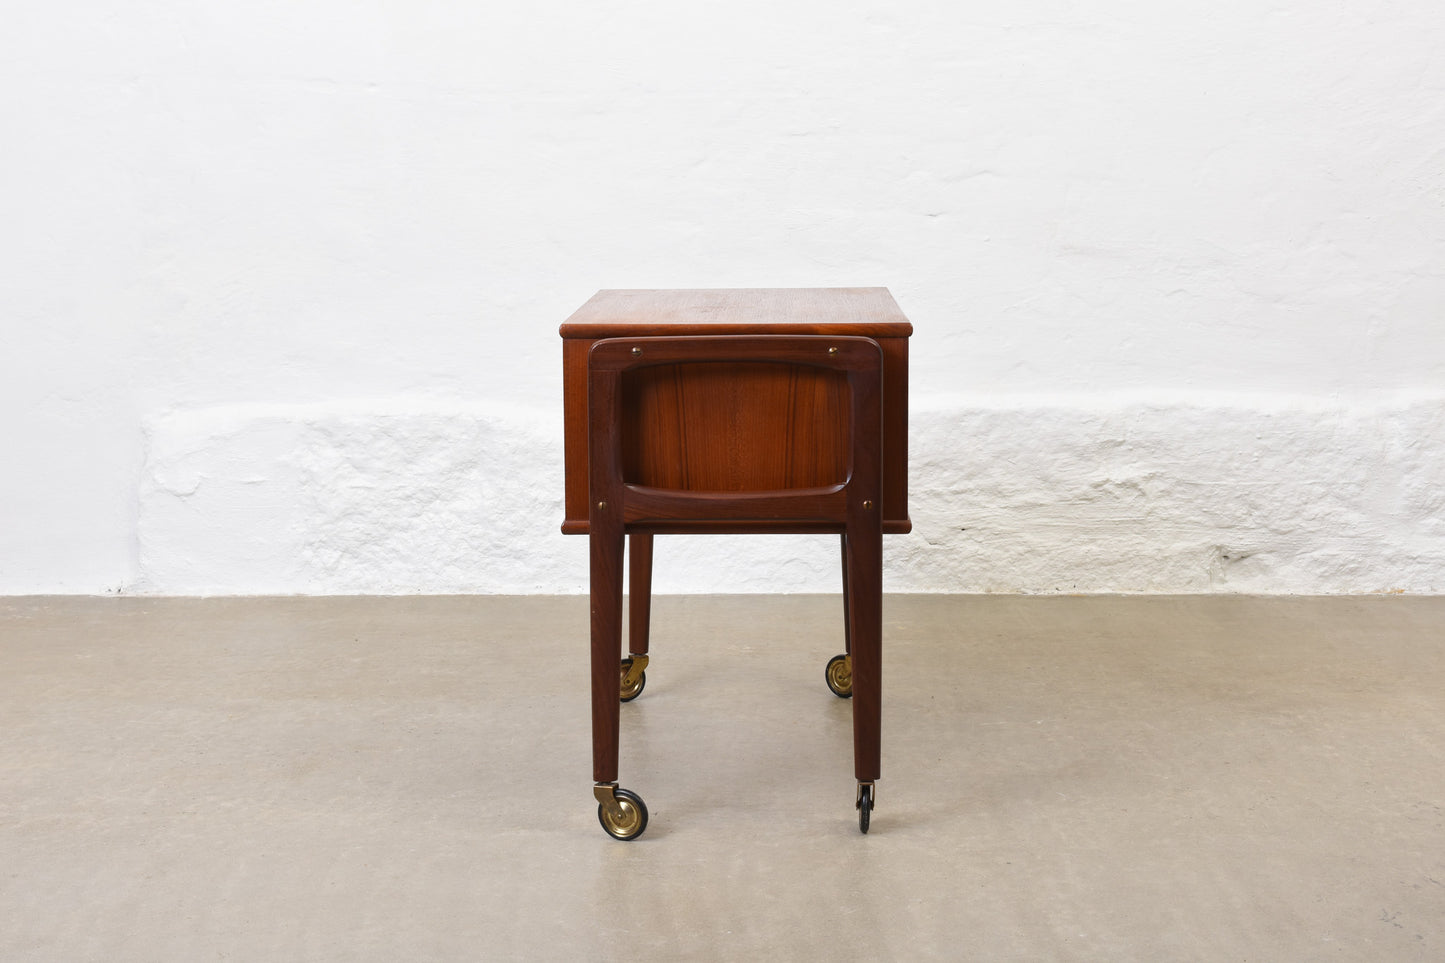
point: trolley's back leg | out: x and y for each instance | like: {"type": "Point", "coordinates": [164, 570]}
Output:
{"type": "Point", "coordinates": [839, 671]}
{"type": "Point", "coordinates": [639, 614]}
{"type": "Point", "coordinates": [639, 599]}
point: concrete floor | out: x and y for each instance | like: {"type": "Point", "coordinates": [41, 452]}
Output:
{"type": "Point", "coordinates": [1210, 778]}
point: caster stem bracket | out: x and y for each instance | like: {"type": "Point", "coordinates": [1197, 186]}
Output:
{"type": "Point", "coordinates": [606, 795]}
{"type": "Point", "coordinates": [636, 665]}
{"type": "Point", "coordinates": [865, 804]}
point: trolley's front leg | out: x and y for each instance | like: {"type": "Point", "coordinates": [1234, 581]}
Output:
{"type": "Point", "coordinates": [606, 589]}
{"type": "Point", "coordinates": [622, 813]}
{"type": "Point", "coordinates": [865, 618]}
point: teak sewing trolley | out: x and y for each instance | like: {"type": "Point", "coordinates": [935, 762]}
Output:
{"type": "Point", "coordinates": [733, 411]}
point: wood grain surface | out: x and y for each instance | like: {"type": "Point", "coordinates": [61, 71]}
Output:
{"type": "Point", "coordinates": [870, 312]}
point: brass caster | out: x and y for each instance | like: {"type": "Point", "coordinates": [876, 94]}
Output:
{"type": "Point", "coordinates": [865, 805]}
{"type": "Point", "coordinates": [621, 812]}
{"type": "Point", "coordinates": [840, 676]}
{"type": "Point", "coordinates": [634, 677]}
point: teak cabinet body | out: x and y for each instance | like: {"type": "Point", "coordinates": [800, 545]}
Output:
{"type": "Point", "coordinates": [737, 427]}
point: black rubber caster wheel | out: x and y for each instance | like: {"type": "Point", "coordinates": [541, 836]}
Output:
{"type": "Point", "coordinates": [629, 692]}
{"type": "Point", "coordinates": [865, 806]}
{"type": "Point", "coordinates": [633, 819]}
{"type": "Point", "coordinates": [840, 676]}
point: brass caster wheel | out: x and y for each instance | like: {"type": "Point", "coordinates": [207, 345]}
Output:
{"type": "Point", "coordinates": [621, 812]}
{"type": "Point", "coordinates": [840, 676]}
{"type": "Point", "coordinates": [865, 805]}
{"type": "Point", "coordinates": [633, 677]}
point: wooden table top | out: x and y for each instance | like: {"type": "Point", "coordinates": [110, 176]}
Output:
{"type": "Point", "coordinates": [867, 312]}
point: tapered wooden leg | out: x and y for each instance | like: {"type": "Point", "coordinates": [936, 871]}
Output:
{"type": "Point", "coordinates": [865, 617]}
{"type": "Point", "coordinates": [606, 578]}
{"type": "Point", "coordinates": [847, 614]}
{"type": "Point", "coordinates": [639, 597]}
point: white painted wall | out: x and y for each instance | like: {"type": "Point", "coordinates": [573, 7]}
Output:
{"type": "Point", "coordinates": [280, 282]}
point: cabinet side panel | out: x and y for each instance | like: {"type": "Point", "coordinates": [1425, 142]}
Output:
{"type": "Point", "coordinates": [895, 428]}
{"type": "Point", "coordinates": [574, 440]}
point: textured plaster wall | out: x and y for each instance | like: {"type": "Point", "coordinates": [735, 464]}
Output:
{"type": "Point", "coordinates": [281, 281]}
{"type": "Point", "coordinates": [1063, 494]}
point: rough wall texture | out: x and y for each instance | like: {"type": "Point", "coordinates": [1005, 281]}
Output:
{"type": "Point", "coordinates": [1159, 496]}
{"type": "Point", "coordinates": [338, 499]}
{"type": "Point", "coordinates": [1049, 495]}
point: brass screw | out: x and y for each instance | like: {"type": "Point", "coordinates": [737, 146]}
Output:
{"type": "Point", "coordinates": [832, 350]}
{"type": "Point", "coordinates": [867, 506]}
{"type": "Point", "coordinates": [637, 352]}
{"type": "Point", "coordinates": [602, 506]}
